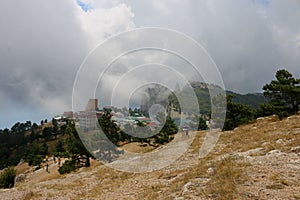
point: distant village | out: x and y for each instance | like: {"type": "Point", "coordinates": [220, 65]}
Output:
{"type": "Point", "coordinates": [88, 118]}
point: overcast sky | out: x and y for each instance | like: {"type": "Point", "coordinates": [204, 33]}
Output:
{"type": "Point", "coordinates": [43, 43]}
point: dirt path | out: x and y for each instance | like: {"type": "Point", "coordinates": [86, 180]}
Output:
{"type": "Point", "coordinates": [154, 160]}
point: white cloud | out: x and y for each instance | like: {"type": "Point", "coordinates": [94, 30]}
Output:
{"type": "Point", "coordinates": [42, 45]}
{"type": "Point", "coordinates": [100, 23]}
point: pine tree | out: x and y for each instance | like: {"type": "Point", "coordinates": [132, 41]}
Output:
{"type": "Point", "coordinates": [284, 93]}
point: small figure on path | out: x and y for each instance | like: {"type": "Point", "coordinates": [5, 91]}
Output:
{"type": "Point", "coordinates": [207, 126]}
{"type": "Point", "coordinates": [59, 160]}
{"type": "Point", "coordinates": [185, 130]}
{"type": "Point", "coordinates": [47, 167]}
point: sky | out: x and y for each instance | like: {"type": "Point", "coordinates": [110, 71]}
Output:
{"type": "Point", "coordinates": [43, 44]}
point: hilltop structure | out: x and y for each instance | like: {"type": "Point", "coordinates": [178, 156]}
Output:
{"type": "Point", "coordinates": [92, 105]}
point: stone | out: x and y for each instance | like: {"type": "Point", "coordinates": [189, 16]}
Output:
{"type": "Point", "coordinates": [295, 149]}
{"type": "Point", "coordinates": [210, 171]}
{"type": "Point", "coordinates": [274, 152]}
{"type": "Point", "coordinates": [20, 178]}
{"type": "Point", "coordinates": [279, 141]}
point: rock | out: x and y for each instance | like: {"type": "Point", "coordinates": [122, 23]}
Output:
{"type": "Point", "coordinates": [265, 143]}
{"type": "Point", "coordinates": [295, 149]}
{"type": "Point", "coordinates": [186, 187]}
{"type": "Point", "coordinates": [250, 152]}
{"type": "Point", "coordinates": [279, 141]}
{"type": "Point", "coordinates": [210, 171]}
{"type": "Point", "coordinates": [20, 178]}
{"type": "Point", "coordinates": [274, 152]}
{"type": "Point", "coordinates": [260, 118]}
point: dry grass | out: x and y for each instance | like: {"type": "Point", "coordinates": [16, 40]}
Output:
{"type": "Point", "coordinates": [31, 195]}
{"type": "Point", "coordinates": [228, 173]}
{"type": "Point", "coordinates": [226, 181]}
{"type": "Point", "coordinates": [264, 133]}
{"type": "Point", "coordinates": [136, 147]}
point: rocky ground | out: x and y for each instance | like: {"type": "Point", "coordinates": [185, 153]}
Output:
{"type": "Point", "coordinates": [260, 160]}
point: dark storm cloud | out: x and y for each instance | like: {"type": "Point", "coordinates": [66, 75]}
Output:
{"type": "Point", "coordinates": [42, 43]}
{"type": "Point", "coordinates": [249, 40]}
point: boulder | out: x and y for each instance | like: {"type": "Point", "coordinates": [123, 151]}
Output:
{"type": "Point", "coordinates": [20, 178]}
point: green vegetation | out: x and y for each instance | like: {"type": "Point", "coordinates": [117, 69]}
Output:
{"type": "Point", "coordinates": [67, 167]}
{"type": "Point", "coordinates": [251, 100]}
{"type": "Point", "coordinates": [35, 154]}
{"type": "Point", "coordinates": [284, 100]}
{"type": "Point", "coordinates": [75, 150]}
{"type": "Point", "coordinates": [237, 114]}
{"type": "Point", "coordinates": [7, 178]}
{"type": "Point", "coordinates": [165, 134]}
{"type": "Point", "coordinates": [28, 141]}
{"type": "Point", "coordinates": [202, 93]}
{"type": "Point", "coordinates": [284, 93]}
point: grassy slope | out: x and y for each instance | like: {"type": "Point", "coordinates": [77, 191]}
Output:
{"type": "Point", "coordinates": [226, 173]}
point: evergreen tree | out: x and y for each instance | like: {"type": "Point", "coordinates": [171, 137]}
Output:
{"type": "Point", "coordinates": [108, 141]}
{"type": "Point", "coordinates": [284, 93]}
{"type": "Point", "coordinates": [168, 129]}
{"type": "Point", "coordinates": [55, 127]}
{"type": "Point", "coordinates": [236, 114]}
{"type": "Point", "coordinates": [75, 148]}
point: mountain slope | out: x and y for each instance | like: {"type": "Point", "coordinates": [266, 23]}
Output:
{"type": "Point", "coordinates": [202, 92]}
{"type": "Point", "coordinates": [255, 161]}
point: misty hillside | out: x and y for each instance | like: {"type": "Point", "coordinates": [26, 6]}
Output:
{"type": "Point", "coordinates": [259, 160]}
{"type": "Point", "coordinates": [202, 92]}
{"type": "Point", "coordinates": [252, 99]}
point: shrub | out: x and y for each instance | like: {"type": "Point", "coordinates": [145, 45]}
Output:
{"type": "Point", "coordinates": [7, 178]}
{"type": "Point", "coordinates": [67, 167]}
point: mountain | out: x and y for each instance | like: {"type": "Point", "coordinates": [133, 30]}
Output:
{"type": "Point", "coordinates": [201, 90]}
{"type": "Point", "coordinates": [251, 99]}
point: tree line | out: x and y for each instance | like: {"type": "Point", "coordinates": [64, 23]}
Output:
{"type": "Point", "coordinates": [283, 96]}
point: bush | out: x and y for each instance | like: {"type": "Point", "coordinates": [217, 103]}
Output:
{"type": "Point", "coordinates": [67, 167]}
{"type": "Point", "coordinates": [7, 178]}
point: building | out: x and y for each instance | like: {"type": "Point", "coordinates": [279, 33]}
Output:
{"type": "Point", "coordinates": [68, 114]}
{"type": "Point", "coordinates": [92, 105]}
{"type": "Point", "coordinates": [87, 120]}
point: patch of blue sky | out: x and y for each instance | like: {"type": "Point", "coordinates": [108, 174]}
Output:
{"type": "Point", "coordinates": [84, 6]}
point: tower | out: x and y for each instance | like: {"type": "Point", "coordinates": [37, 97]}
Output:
{"type": "Point", "coordinates": [92, 105]}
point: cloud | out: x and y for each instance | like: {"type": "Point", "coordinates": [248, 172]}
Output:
{"type": "Point", "coordinates": [248, 40]}
{"type": "Point", "coordinates": [101, 23]}
{"type": "Point", "coordinates": [43, 43]}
